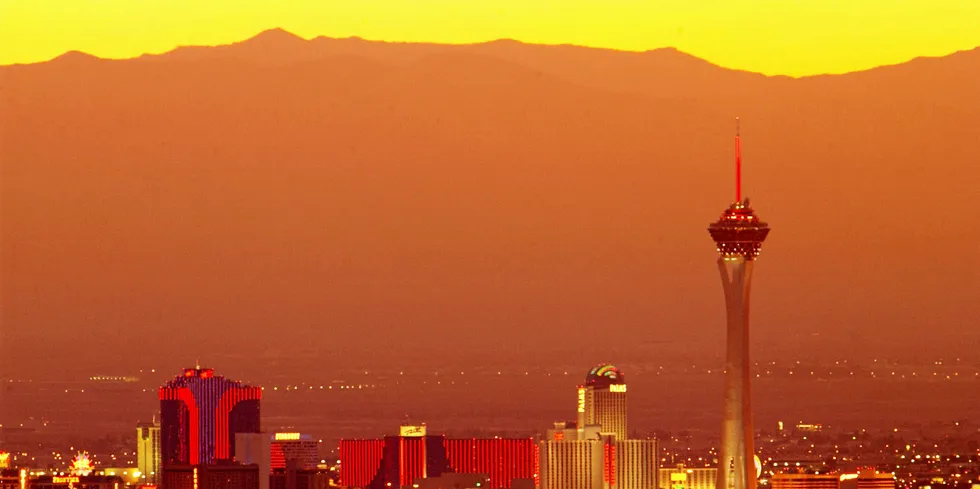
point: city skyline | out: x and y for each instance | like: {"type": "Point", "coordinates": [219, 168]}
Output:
{"type": "Point", "coordinates": [465, 451]}
{"type": "Point", "coordinates": [444, 236]}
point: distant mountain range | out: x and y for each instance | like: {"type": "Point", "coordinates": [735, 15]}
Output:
{"type": "Point", "coordinates": [385, 202]}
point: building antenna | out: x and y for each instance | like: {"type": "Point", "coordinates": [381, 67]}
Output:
{"type": "Point", "coordinates": [738, 162]}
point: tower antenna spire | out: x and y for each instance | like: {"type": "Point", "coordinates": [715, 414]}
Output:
{"type": "Point", "coordinates": [738, 162]}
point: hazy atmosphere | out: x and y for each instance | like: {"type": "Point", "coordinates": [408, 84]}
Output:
{"type": "Point", "coordinates": [499, 203]}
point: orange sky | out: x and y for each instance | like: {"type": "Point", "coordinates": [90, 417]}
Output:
{"type": "Point", "coordinates": [795, 37]}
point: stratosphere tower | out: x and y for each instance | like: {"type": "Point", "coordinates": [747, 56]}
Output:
{"type": "Point", "coordinates": [739, 235]}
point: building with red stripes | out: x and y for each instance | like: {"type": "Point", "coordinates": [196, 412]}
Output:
{"type": "Point", "coordinates": [501, 459]}
{"type": "Point", "coordinates": [401, 461]}
{"type": "Point", "coordinates": [200, 413]}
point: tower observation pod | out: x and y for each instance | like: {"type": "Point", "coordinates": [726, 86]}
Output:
{"type": "Point", "coordinates": [738, 234]}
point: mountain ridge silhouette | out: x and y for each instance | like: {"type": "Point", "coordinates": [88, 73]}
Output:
{"type": "Point", "coordinates": [280, 38]}
{"type": "Point", "coordinates": [494, 197]}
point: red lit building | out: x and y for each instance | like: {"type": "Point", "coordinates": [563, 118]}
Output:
{"type": "Point", "coordinates": [360, 462]}
{"type": "Point", "coordinates": [400, 461]}
{"type": "Point", "coordinates": [200, 413]}
{"type": "Point", "coordinates": [501, 459]}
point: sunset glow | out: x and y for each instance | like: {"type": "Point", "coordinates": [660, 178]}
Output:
{"type": "Point", "coordinates": [773, 37]}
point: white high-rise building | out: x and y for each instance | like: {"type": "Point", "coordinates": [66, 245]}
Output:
{"type": "Point", "coordinates": [602, 463]}
{"type": "Point", "coordinates": [148, 451]}
{"type": "Point", "coordinates": [602, 400]}
{"type": "Point", "coordinates": [636, 464]}
{"type": "Point", "coordinates": [593, 452]}
{"type": "Point", "coordinates": [571, 464]}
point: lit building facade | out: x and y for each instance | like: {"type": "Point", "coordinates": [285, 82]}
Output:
{"type": "Point", "coordinates": [804, 481]}
{"type": "Point", "coordinates": [637, 464]}
{"type": "Point", "coordinates": [361, 462]}
{"type": "Point", "coordinates": [502, 460]}
{"type": "Point", "coordinates": [862, 479]}
{"type": "Point", "coordinates": [298, 448]}
{"type": "Point", "coordinates": [571, 464]}
{"type": "Point", "coordinates": [681, 477]}
{"type": "Point", "coordinates": [738, 235]}
{"type": "Point", "coordinates": [200, 413]}
{"type": "Point", "coordinates": [401, 461]}
{"type": "Point", "coordinates": [148, 451]}
{"type": "Point", "coordinates": [868, 479]}
{"type": "Point", "coordinates": [604, 463]}
{"type": "Point", "coordinates": [602, 400]}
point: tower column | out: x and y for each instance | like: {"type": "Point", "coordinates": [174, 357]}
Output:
{"type": "Point", "coordinates": [737, 453]}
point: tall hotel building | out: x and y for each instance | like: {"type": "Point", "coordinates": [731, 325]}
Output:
{"type": "Point", "coordinates": [593, 452]}
{"type": "Point", "coordinates": [148, 451]}
{"type": "Point", "coordinates": [604, 463]}
{"type": "Point", "coordinates": [602, 400]}
{"type": "Point", "coordinates": [200, 413]}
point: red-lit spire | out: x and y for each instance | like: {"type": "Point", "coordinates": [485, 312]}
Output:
{"type": "Point", "coordinates": [738, 163]}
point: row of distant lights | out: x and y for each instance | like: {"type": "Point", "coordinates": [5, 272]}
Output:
{"type": "Point", "coordinates": [328, 387]}
{"type": "Point", "coordinates": [767, 372]}
{"type": "Point", "coordinates": [838, 362]}
{"type": "Point", "coordinates": [709, 371]}
{"type": "Point", "coordinates": [873, 374]}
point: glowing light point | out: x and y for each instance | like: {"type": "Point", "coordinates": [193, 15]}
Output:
{"type": "Point", "coordinates": [81, 465]}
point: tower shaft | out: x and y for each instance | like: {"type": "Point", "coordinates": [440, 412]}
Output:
{"type": "Point", "coordinates": [736, 460]}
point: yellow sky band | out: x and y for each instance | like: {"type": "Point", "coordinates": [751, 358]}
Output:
{"type": "Point", "coordinates": [793, 37]}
